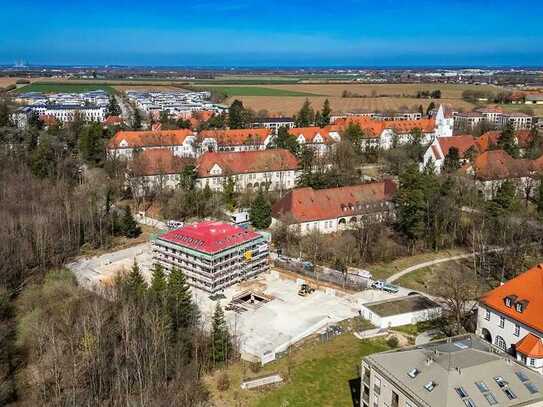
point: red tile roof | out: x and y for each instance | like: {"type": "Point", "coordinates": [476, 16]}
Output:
{"type": "Point", "coordinates": [236, 137]}
{"type": "Point", "coordinates": [406, 126]}
{"type": "Point", "coordinates": [531, 346]}
{"type": "Point", "coordinates": [245, 162]}
{"type": "Point", "coordinates": [209, 236]}
{"type": "Point", "coordinates": [309, 133]}
{"type": "Point", "coordinates": [462, 143]}
{"type": "Point", "coordinates": [374, 128]}
{"type": "Point", "coordinates": [527, 286]}
{"type": "Point", "coordinates": [490, 138]}
{"type": "Point", "coordinates": [497, 164]}
{"type": "Point", "coordinates": [157, 161]}
{"type": "Point", "coordinates": [159, 138]}
{"type": "Point", "coordinates": [308, 204]}
{"type": "Point", "coordinates": [113, 121]}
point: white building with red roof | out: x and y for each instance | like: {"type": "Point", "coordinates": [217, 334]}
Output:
{"type": "Point", "coordinates": [511, 317]}
{"type": "Point", "coordinates": [275, 170]}
{"type": "Point", "coordinates": [333, 209]}
{"type": "Point", "coordinates": [234, 140]}
{"type": "Point", "coordinates": [213, 255]}
{"type": "Point", "coordinates": [180, 142]}
{"type": "Point", "coordinates": [319, 139]}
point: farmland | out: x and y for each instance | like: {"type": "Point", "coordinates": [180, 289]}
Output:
{"type": "Point", "coordinates": [54, 87]}
{"type": "Point", "coordinates": [256, 91]}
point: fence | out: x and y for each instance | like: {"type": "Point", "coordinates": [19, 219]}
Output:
{"type": "Point", "coordinates": [321, 273]}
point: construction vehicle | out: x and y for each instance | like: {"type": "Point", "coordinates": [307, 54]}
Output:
{"type": "Point", "coordinates": [384, 286]}
{"type": "Point", "coordinates": [305, 289]}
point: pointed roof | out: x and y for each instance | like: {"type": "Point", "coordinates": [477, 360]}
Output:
{"type": "Point", "coordinates": [527, 287]}
{"type": "Point", "coordinates": [531, 346]}
{"type": "Point", "coordinates": [236, 137]}
{"type": "Point", "coordinates": [160, 138]}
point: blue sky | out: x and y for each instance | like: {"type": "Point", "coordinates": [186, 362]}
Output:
{"type": "Point", "coordinates": [273, 33]}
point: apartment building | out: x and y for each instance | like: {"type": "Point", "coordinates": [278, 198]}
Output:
{"type": "Point", "coordinates": [67, 113]}
{"type": "Point", "coordinates": [518, 120]}
{"type": "Point", "coordinates": [467, 121]}
{"type": "Point", "coordinates": [454, 372]}
{"type": "Point", "coordinates": [333, 209]}
{"type": "Point", "coordinates": [234, 140]}
{"type": "Point", "coordinates": [511, 317]}
{"type": "Point", "coordinates": [320, 140]}
{"type": "Point", "coordinates": [275, 170]}
{"type": "Point", "coordinates": [274, 123]}
{"type": "Point", "coordinates": [213, 255]}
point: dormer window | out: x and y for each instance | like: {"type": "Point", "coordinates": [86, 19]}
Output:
{"type": "Point", "coordinates": [520, 306]}
{"type": "Point", "coordinates": [510, 300]}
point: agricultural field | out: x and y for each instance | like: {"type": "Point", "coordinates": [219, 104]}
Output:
{"type": "Point", "coordinates": [290, 105]}
{"type": "Point", "coordinates": [256, 91]}
{"type": "Point", "coordinates": [54, 87]}
{"type": "Point", "coordinates": [320, 375]}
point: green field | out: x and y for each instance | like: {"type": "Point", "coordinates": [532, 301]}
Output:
{"type": "Point", "coordinates": [255, 91]}
{"type": "Point", "coordinates": [60, 87]}
{"type": "Point", "coordinates": [320, 375]}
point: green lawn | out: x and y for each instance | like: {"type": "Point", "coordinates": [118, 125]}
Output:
{"type": "Point", "coordinates": [53, 87]}
{"type": "Point", "coordinates": [256, 91]}
{"type": "Point", "coordinates": [319, 376]}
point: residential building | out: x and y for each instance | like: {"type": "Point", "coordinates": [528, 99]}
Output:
{"type": "Point", "coordinates": [519, 120]}
{"type": "Point", "coordinates": [67, 113]}
{"type": "Point", "coordinates": [275, 169]}
{"type": "Point", "coordinates": [511, 317]}
{"type": "Point", "coordinates": [319, 139]}
{"type": "Point", "coordinates": [535, 99]}
{"type": "Point", "coordinates": [398, 116]}
{"type": "Point", "coordinates": [491, 168]}
{"type": "Point", "coordinates": [467, 121]}
{"type": "Point", "coordinates": [274, 123]}
{"type": "Point", "coordinates": [466, 146]}
{"type": "Point", "coordinates": [212, 255]}
{"type": "Point", "coordinates": [125, 143]}
{"type": "Point", "coordinates": [333, 209]}
{"type": "Point", "coordinates": [491, 114]}
{"type": "Point", "coordinates": [454, 372]}
{"type": "Point", "coordinates": [175, 103]}
{"type": "Point", "coordinates": [154, 170]}
{"type": "Point", "coordinates": [234, 140]}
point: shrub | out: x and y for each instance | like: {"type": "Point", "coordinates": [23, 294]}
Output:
{"type": "Point", "coordinates": [255, 367]}
{"type": "Point", "coordinates": [223, 382]}
{"type": "Point", "coordinates": [393, 342]}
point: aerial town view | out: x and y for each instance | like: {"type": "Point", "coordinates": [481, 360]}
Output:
{"type": "Point", "coordinates": [271, 204]}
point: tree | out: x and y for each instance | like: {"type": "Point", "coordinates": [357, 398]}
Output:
{"type": "Point", "coordinates": [325, 114]}
{"type": "Point", "coordinates": [505, 199]}
{"type": "Point", "coordinates": [431, 107]}
{"type": "Point", "coordinates": [237, 115]}
{"type": "Point", "coordinates": [129, 226]}
{"type": "Point", "coordinates": [452, 160]}
{"type": "Point", "coordinates": [229, 192]}
{"type": "Point", "coordinates": [136, 124]}
{"type": "Point", "coordinates": [306, 115]}
{"type": "Point", "coordinates": [135, 284]}
{"type": "Point", "coordinates": [260, 212]}
{"type": "Point", "coordinates": [158, 283]}
{"type": "Point", "coordinates": [4, 114]}
{"type": "Point", "coordinates": [113, 108]}
{"type": "Point", "coordinates": [355, 135]}
{"type": "Point", "coordinates": [34, 121]}
{"type": "Point", "coordinates": [286, 141]}
{"type": "Point", "coordinates": [539, 198]}
{"type": "Point", "coordinates": [507, 141]}
{"type": "Point", "coordinates": [535, 146]}
{"type": "Point", "coordinates": [181, 308]}
{"type": "Point", "coordinates": [188, 178]}
{"type": "Point", "coordinates": [220, 337]}
{"type": "Point", "coordinates": [91, 146]}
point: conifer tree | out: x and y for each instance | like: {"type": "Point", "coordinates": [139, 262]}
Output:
{"type": "Point", "coordinates": [452, 160]}
{"type": "Point", "coordinates": [306, 115]}
{"type": "Point", "coordinates": [158, 282]}
{"type": "Point", "coordinates": [325, 114]}
{"type": "Point", "coordinates": [130, 227]}
{"type": "Point", "coordinates": [135, 284]}
{"type": "Point", "coordinates": [260, 211]}
{"type": "Point", "coordinates": [286, 140]}
{"type": "Point", "coordinates": [182, 311]}
{"type": "Point", "coordinates": [220, 337]}
{"type": "Point", "coordinates": [507, 141]}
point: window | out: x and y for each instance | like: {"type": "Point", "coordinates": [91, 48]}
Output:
{"type": "Point", "coordinates": [500, 343]}
{"type": "Point", "coordinates": [519, 306]}
{"type": "Point", "coordinates": [502, 322]}
{"type": "Point", "coordinates": [377, 386]}
{"type": "Point", "coordinates": [509, 393]}
{"type": "Point", "coordinates": [413, 373]}
{"type": "Point", "coordinates": [517, 330]}
{"type": "Point", "coordinates": [469, 402]}
{"type": "Point", "coordinates": [487, 315]}
{"type": "Point", "coordinates": [522, 376]}
{"type": "Point", "coordinates": [430, 386]}
{"type": "Point", "coordinates": [482, 386]}
{"type": "Point", "coordinates": [508, 302]}
{"type": "Point", "coordinates": [532, 362]}
{"type": "Point", "coordinates": [532, 388]}
{"type": "Point", "coordinates": [461, 392]}
{"type": "Point", "coordinates": [491, 399]}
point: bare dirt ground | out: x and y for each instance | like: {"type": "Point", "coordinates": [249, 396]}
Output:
{"type": "Point", "coordinates": [290, 105]}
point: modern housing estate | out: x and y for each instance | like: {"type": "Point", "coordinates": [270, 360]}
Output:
{"type": "Point", "coordinates": [462, 371]}
{"type": "Point", "coordinates": [492, 116]}
{"type": "Point", "coordinates": [333, 209]}
{"type": "Point", "coordinates": [213, 255]}
{"type": "Point", "coordinates": [511, 317]}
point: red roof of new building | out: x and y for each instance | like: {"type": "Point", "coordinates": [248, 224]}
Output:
{"type": "Point", "coordinates": [526, 288]}
{"type": "Point", "coordinates": [244, 162]}
{"type": "Point", "coordinates": [531, 346]}
{"type": "Point", "coordinates": [308, 204]}
{"type": "Point", "coordinates": [236, 137]}
{"type": "Point", "coordinates": [159, 138]}
{"type": "Point", "coordinates": [157, 161]}
{"type": "Point", "coordinates": [209, 236]}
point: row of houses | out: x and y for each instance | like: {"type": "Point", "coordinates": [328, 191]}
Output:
{"type": "Point", "coordinates": [493, 116]}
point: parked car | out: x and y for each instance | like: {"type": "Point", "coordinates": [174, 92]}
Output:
{"type": "Point", "coordinates": [384, 286]}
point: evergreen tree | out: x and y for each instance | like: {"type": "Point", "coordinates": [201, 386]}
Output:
{"type": "Point", "coordinates": [188, 178]}
{"type": "Point", "coordinates": [91, 146]}
{"type": "Point", "coordinates": [158, 282]}
{"type": "Point", "coordinates": [260, 212]}
{"type": "Point", "coordinates": [507, 141]}
{"type": "Point", "coordinates": [452, 160]}
{"type": "Point", "coordinates": [421, 110]}
{"type": "Point", "coordinates": [539, 198]}
{"type": "Point", "coordinates": [113, 108]}
{"type": "Point", "coordinates": [505, 199]}
{"type": "Point", "coordinates": [431, 107]}
{"type": "Point", "coordinates": [181, 308]}
{"type": "Point", "coordinates": [286, 141]}
{"type": "Point", "coordinates": [130, 227]}
{"type": "Point", "coordinates": [326, 114]}
{"type": "Point", "coordinates": [34, 121]}
{"type": "Point", "coordinates": [220, 337]}
{"type": "Point", "coordinates": [535, 145]}
{"type": "Point", "coordinates": [306, 115]}
{"type": "Point", "coordinates": [355, 135]}
{"type": "Point", "coordinates": [134, 283]}
{"type": "Point", "coordinates": [137, 119]}
{"type": "Point", "coordinates": [236, 115]}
